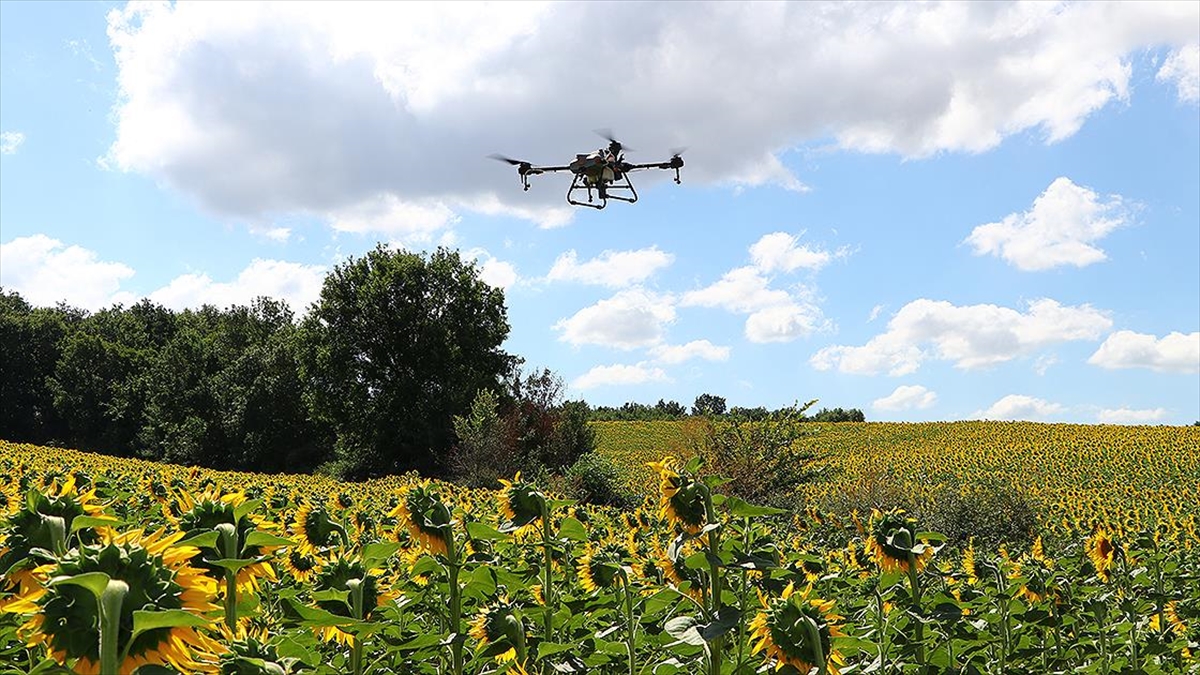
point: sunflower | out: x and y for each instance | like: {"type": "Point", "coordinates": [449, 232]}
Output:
{"type": "Point", "coordinates": [796, 630]}
{"type": "Point", "coordinates": [600, 566]}
{"type": "Point", "coordinates": [300, 565]}
{"type": "Point", "coordinates": [682, 497]}
{"type": "Point", "coordinates": [968, 562]}
{"type": "Point", "coordinates": [159, 577]}
{"type": "Point", "coordinates": [1102, 553]}
{"type": "Point", "coordinates": [335, 576]}
{"type": "Point", "coordinates": [521, 504]}
{"type": "Point", "coordinates": [314, 529]}
{"type": "Point", "coordinates": [202, 514]}
{"type": "Point", "coordinates": [428, 520]}
{"type": "Point", "coordinates": [677, 573]}
{"type": "Point", "coordinates": [43, 522]}
{"type": "Point", "coordinates": [892, 542]}
{"type": "Point", "coordinates": [500, 631]}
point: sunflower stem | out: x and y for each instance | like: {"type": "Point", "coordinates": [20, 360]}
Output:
{"type": "Point", "coordinates": [228, 546]}
{"type": "Point", "coordinates": [356, 608]}
{"type": "Point", "coordinates": [915, 584]}
{"type": "Point", "coordinates": [714, 550]}
{"type": "Point", "coordinates": [630, 625]}
{"type": "Point", "coordinates": [547, 580]}
{"type": "Point", "coordinates": [456, 647]}
{"type": "Point", "coordinates": [110, 624]}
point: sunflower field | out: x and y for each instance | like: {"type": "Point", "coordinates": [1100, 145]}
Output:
{"type": "Point", "coordinates": [121, 566]}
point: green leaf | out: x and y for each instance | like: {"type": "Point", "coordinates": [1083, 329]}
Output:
{"type": "Point", "coordinates": [205, 540]}
{"type": "Point", "coordinates": [374, 555]}
{"type": "Point", "coordinates": [551, 648]}
{"type": "Point", "coordinates": [572, 529]}
{"type": "Point", "coordinates": [259, 538]}
{"type": "Point", "coordinates": [421, 642]}
{"type": "Point", "coordinates": [685, 629]}
{"type": "Point", "coordinates": [315, 616]}
{"type": "Point", "coordinates": [80, 522]}
{"type": "Point", "coordinates": [232, 564]}
{"type": "Point", "coordinates": [244, 509]}
{"type": "Point", "coordinates": [95, 582]}
{"type": "Point", "coordinates": [145, 620]}
{"type": "Point", "coordinates": [484, 532]}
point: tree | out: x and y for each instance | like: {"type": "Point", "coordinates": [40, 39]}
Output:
{"type": "Point", "coordinates": [839, 415]}
{"type": "Point", "coordinates": [396, 345]}
{"type": "Point", "coordinates": [30, 344]}
{"type": "Point", "coordinates": [708, 404]}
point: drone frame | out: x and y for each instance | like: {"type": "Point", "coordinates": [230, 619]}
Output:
{"type": "Point", "coordinates": [604, 189]}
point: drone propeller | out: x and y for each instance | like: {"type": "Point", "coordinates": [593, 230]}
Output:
{"type": "Point", "coordinates": [675, 152]}
{"type": "Point", "coordinates": [510, 160]}
{"type": "Point", "coordinates": [614, 146]}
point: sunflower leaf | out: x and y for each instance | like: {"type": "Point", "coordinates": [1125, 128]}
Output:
{"type": "Point", "coordinates": [95, 582]}
{"type": "Point", "coordinates": [80, 522]}
{"type": "Point", "coordinates": [260, 538]}
{"type": "Point", "coordinates": [206, 540]}
{"type": "Point", "coordinates": [233, 564]}
{"type": "Point", "coordinates": [685, 629]}
{"type": "Point", "coordinates": [572, 529]}
{"type": "Point", "coordinates": [484, 532]}
{"type": "Point", "coordinates": [145, 620]}
{"type": "Point", "coordinates": [243, 509]}
{"type": "Point", "coordinates": [740, 508]}
{"type": "Point", "coordinates": [375, 554]}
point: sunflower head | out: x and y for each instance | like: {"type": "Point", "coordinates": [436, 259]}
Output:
{"type": "Point", "coordinates": [500, 631]}
{"type": "Point", "coordinates": [315, 529]}
{"type": "Point", "coordinates": [43, 522]}
{"type": "Point", "coordinates": [158, 577]}
{"type": "Point", "coordinates": [521, 503]}
{"type": "Point", "coordinates": [421, 511]}
{"type": "Point", "coordinates": [797, 630]}
{"type": "Point", "coordinates": [600, 566]}
{"type": "Point", "coordinates": [1103, 553]}
{"type": "Point", "coordinates": [336, 575]}
{"type": "Point", "coordinates": [682, 497]}
{"type": "Point", "coordinates": [892, 542]}
{"type": "Point", "coordinates": [301, 565]}
{"type": "Point", "coordinates": [212, 510]}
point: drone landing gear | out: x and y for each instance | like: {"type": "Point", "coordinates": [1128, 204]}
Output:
{"type": "Point", "coordinates": [624, 191]}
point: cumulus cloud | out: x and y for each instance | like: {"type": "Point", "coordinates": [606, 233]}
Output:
{"type": "Point", "coordinates": [971, 336]}
{"type": "Point", "coordinates": [299, 285]}
{"type": "Point", "coordinates": [619, 374]}
{"type": "Point", "coordinates": [1020, 407]}
{"type": "Point", "coordinates": [319, 107]}
{"type": "Point", "coordinates": [905, 397]}
{"type": "Point", "coordinates": [1130, 416]}
{"type": "Point", "coordinates": [696, 349]}
{"type": "Point", "coordinates": [1058, 230]}
{"type": "Point", "coordinates": [614, 269]}
{"type": "Point", "coordinates": [1173, 353]}
{"type": "Point", "coordinates": [45, 271]}
{"type": "Point", "coordinates": [1182, 68]}
{"type": "Point", "coordinates": [782, 252]}
{"type": "Point", "coordinates": [743, 289]}
{"type": "Point", "coordinates": [10, 141]}
{"type": "Point", "coordinates": [630, 319]}
{"type": "Point", "coordinates": [784, 323]}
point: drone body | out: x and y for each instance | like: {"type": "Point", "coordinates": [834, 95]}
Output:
{"type": "Point", "coordinates": [603, 174]}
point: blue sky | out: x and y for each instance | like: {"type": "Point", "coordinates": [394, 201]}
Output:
{"type": "Point", "coordinates": [929, 212]}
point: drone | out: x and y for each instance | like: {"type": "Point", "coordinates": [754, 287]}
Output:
{"type": "Point", "coordinates": [603, 174]}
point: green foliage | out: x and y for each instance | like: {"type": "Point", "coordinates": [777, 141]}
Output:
{"type": "Point", "coordinates": [632, 411]}
{"type": "Point", "coordinates": [990, 511]}
{"type": "Point", "coordinates": [482, 456]}
{"type": "Point", "coordinates": [761, 460]}
{"type": "Point", "coordinates": [708, 404]}
{"type": "Point", "coordinates": [839, 415]}
{"type": "Point", "coordinates": [30, 345]}
{"type": "Point", "coordinates": [595, 479]}
{"type": "Point", "coordinates": [398, 344]}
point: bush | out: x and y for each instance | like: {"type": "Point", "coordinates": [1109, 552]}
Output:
{"type": "Point", "coordinates": [991, 512]}
{"type": "Point", "coordinates": [482, 456]}
{"type": "Point", "coordinates": [594, 479]}
{"type": "Point", "coordinates": [762, 460]}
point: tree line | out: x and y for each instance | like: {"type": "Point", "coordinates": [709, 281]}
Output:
{"type": "Point", "coordinates": [711, 405]}
{"type": "Point", "coordinates": [381, 375]}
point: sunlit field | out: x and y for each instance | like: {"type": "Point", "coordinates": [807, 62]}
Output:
{"type": "Point", "coordinates": [116, 565]}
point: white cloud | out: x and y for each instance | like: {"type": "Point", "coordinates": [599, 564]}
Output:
{"type": "Point", "coordinates": [46, 271]}
{"type": "Point", "coordinates": [1182, 68]}
{"type": "Point", "coordinates": [1173, 353]}
{"type": "Point", "coordinates": [1020, 407]}
{"type": "Point", "coordinates": [10, 141]}
{"type": "Point", "coordinates": [696, 349]}
{"type": "Point", "coordinates": [614, 269]}
{"type": "Point", "coordinates": [388, 215]}
{"type": "Point", "coordinates": [784, 323]}
{"type": "Point", "coordinates": [1058, 230]}
{"type": "Point", "coordinates": [906, 397]}
{"type": "Point", "coordinates": [875, 312]}
{"type": "Point", "coordinates": [630, 319]}
{"type": "Point", "coordinates": [971, 336]}
{"type": "Point", "coordinates": [299, 285]}
{"type": "Point", "coordinates": [1130, 416]}
{"type": "Point", "coordinates": [499, 273]}
{"type": "Point", "coordinates": [744, 289]}
{"type": "Point", "coordinates": [780, 251]}
{"type": "Point", "coordinates": [317, 107]}
{"type": "Point", "coordinates": [619, 374]}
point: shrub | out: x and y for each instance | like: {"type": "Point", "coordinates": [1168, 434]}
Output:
{"type": "Point", "coordinates": [762, 460]}
{"type": "Point", "coordinates": [594, 479]}
{"type": "Point", "coordinates": [482, 456]}
{"type": "Point", "coordinates": [991, 512]}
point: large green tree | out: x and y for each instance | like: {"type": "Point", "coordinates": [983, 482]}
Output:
{"type": "Point", "coordinates": [30, 344]}
{"type": "Point", "coordinates": [396, 345]}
